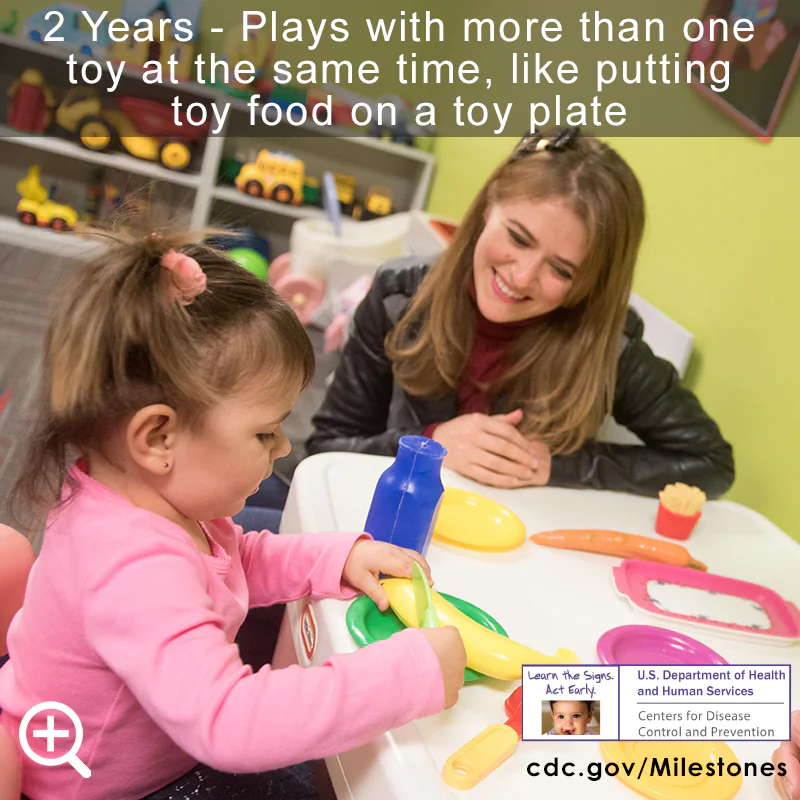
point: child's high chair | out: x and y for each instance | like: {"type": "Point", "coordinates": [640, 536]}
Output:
{"type": "Point", "coordinates": [15, 565]}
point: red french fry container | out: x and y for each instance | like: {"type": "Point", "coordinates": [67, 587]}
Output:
{"type": "Point", "coordinates": [675, 526]}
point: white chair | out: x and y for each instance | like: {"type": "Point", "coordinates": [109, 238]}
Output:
{"type": "Point", "coordinates": [668, 340]}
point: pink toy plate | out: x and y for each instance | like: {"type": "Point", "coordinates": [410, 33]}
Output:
{"type": "Point", "coordinates": [646, 644]}
{"type": "Point", "coordinates": [730, 607]}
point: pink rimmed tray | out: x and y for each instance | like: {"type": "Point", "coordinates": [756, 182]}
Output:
{"type": "Point", "coordinates": [732, 608]}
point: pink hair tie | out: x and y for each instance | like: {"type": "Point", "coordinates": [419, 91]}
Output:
{"type": "Point", "coordinates": [187, 277]}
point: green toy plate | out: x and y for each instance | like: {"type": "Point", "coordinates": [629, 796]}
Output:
{"type": "Point", "coordinates": [368, 624]}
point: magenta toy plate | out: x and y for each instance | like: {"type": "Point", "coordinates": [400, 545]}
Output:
{"type": "Point", "coordinates": [724, 606]}
{"type": "Point", "coordinates": [646, 644]}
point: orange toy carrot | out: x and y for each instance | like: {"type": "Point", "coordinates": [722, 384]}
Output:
{"type": "Point", "coordinates": [623, 545]}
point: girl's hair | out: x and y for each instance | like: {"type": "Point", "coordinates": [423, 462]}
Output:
{"type": "Point", "coordinates": [117, 343]}
{"type": "Point", "coordinates": [561, 373]}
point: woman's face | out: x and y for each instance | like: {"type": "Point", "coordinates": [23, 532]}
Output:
{"type": "Point", "coordinates": [526, 258]}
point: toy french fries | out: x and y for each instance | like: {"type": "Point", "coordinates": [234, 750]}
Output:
{"type": "Point", "coordinates": [622, 545]}
{"type": "Point", "coordinates": [682, 499]}
{"type": "Point", "coordinates": [679, 509]}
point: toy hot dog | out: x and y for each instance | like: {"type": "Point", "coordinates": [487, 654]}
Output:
{"type": "Point", "coordinates": [623, 545]}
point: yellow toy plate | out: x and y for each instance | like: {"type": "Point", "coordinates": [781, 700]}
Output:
{"type": "Point", "coordinates": [675, 786]}
{"type": "Point", "coordinates": [469, 520]}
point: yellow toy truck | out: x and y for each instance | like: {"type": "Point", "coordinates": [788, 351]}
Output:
{"type": "Point", "coordinates": [36, 208]}
{"type": "Point", "coordinates": [144, 128]}
{"type": "Point", "coordinates": [377, 203]}
{"type": "Point", "coordinates": [274, 176]}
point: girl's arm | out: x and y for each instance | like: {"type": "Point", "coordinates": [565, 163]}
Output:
{"type": "Point", "coordinates": [150, 619]}
{"type": "Point", "coordinates": [681, 442]}
{"type": "Point", "coordinates": [283, 568]}
{"type": "Point", "coordinates": [355, 412]}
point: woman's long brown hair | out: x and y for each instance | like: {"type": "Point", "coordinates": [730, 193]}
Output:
{"type": "Point", "coordinates": [561, 373]}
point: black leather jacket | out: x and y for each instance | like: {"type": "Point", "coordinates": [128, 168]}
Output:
{"type": "Point", "coordinates": [366, 412]}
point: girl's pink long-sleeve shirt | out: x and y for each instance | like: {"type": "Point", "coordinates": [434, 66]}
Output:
{"type": "Point", "coordinates": [126, 622]}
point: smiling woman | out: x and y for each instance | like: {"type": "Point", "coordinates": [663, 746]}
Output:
{"type": "Point", "coordinates": [516, 344]}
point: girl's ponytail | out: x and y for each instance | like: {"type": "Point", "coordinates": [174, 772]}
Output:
{"type": "Point", "coordinates": [156, 317]}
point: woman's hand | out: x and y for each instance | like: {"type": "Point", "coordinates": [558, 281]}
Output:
{"type": "Point", "coordinates": [541, 452]}
{"type": "Point", "coordinates": [368, 559]}
{"type": "Point", "coordinates": [788, 785]}
{"type": "Point", "coordinates": [490, 450]}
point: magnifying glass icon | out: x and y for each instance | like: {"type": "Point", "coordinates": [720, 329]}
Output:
{"type": "Point", "coordinates": [51, 734]}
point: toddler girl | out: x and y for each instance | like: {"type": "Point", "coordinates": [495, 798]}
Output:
{"type": "Point", "coordinates": [168, 371]}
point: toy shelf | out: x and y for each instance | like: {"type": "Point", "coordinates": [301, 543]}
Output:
{"type": "Point", "coordinates": [237, 198]}
{"type": "Point", "coordinates": [206, 199]}
{"type": "Point", "coordinates": [120, 161]}
{"type": "Point", "coordinates": [43, 240]}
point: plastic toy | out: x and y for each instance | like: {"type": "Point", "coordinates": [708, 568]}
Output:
{"type": "Point", "coordinates": [623, 545]}
{"type": "Point", "coordinates": [136, 54]}
{"type": "Point", "coordinates": [485, 752]}
{"type": "Point", "coordinates": [368, 624]}
{"type": "Point", "coordinates": [312, 195]}
{"type": "Point", "coordinates": [302, 292]}
{"type": "Point", "coordinates": [713, 786]}
{"type": "Point", "coordinates": [469, 520]}
{"type": "Point", "coordinates": [153, 136]}
{"type": "Point", "coordinates": [406, 499]}
{"type": "Point", "coordinates": [75, 31]}
{"type": "Point", "coordinates": [35, 208]}
{"type": "Point", "coordinates": [32, 103]}
{"type": "Point", "coordinates": [761, 615]}
{"type": "Point", "coordinates": [680, 507]}
{"type": "Point", "coordinates": [345, 304]}
{"type": "Point", "coordinates": [332, 267]}
{"type": "Point", "coordinates": [646, 644]}
{"type": "Point", "coordinates": [275, 176]}
{"type": "Point", "coordinates": [251, 260]}
{"type": "Point", "coordinates": [242, 238]}
{"type": "Point", "coordinates": [487, 652]}
{"type": "Point", "coordinates": [345, 191]}
{"type": "Point", "coordinates": [426, 613]}
{"type": "Point", "coordinates": [377, 203]}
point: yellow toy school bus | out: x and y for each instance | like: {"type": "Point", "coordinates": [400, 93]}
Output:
{"type": "Point", "coordinates": [275, 176]}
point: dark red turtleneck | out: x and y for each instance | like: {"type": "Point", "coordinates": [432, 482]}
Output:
{"type": "Point", "coordinates": [486, 362]}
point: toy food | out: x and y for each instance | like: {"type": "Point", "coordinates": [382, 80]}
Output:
{"type": "Point", "coordinates": [487, 652]}
{"type": "Point", "coordinates": [368, 624]}
{"type": "Point", "coordinates": [623, 545]}
{"type": "Point", "coordinates": [679, 509]}
{"type": "Point", "coordinates": [682, 499]}
{"type": "Point", "coordinates": [487, 750]}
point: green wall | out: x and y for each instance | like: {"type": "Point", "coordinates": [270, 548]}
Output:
{"type": "Point", "coordinates": [721, 258]}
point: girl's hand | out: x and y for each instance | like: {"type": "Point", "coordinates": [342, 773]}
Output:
{"type": "Point", "coordinates": [368, 559]}
{"type": "Point", "coordinates": [788, 786]}
{"type": "Point", "coordinates": [491, 450]}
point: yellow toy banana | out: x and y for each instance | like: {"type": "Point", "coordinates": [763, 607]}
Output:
{"type": "Point", "coordinates": [488, 652]}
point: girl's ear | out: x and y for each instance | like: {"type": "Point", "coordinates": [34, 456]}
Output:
{"type": "Point", "coordinates": [151, 435]}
